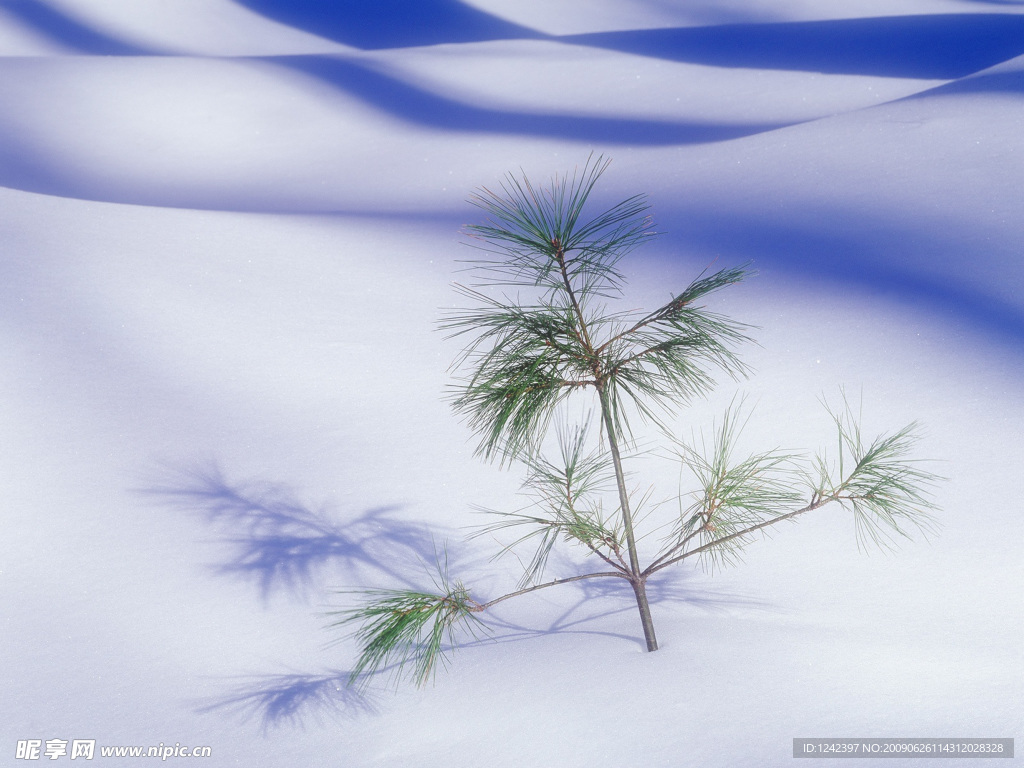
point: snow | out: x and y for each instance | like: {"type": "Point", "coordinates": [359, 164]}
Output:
{"type": "Point", "coordinates": [227, 230]}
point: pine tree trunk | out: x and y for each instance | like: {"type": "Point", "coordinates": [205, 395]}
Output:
{"type": "Point", "coordinates": [640, 590]}
{"type": "Point", "coordinates": [639, 585]}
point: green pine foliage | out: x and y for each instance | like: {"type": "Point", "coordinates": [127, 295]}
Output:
{"type": "Point", "coordinates": [402, 628]}
{"type": "Point", "coordinates": [542, 330]}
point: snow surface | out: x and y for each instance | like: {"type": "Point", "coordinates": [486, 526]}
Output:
{"type": "Point", "coordinates": [226, 232]}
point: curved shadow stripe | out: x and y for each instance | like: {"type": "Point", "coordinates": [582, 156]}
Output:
{"type": "Point", "coordinates": [934, 47]}
{"type": "Point", "coordinates": [845, 250]}
{"type": "Point", "coordinates": [28, 167]}
{"type": "Point", "coordinates": [377, 24]}
{"type": "Point", "coordinates": [1006, 83]}
{"type": "Point", "coordinates": [64, 30]}
{"type": "Point", "coordinates": [431, 110]}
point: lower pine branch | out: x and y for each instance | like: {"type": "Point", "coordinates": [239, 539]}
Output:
{"type": "Point", "coordinates": [477, 607]}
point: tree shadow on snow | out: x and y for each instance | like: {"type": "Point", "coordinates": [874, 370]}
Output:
{"type": "Point", "coordinates": [64, 30]}
{"type": "Point", "coordinates": [851, 250]}
{"type": "Point", "coordinates": [293, 699]}
{"type": "Point", "coordinates": [929, 47]}
{"type": "Point", "coordinates": [926, 46]}
{"type": "Point", "coordinates": [1005, 83]}
{"type": "Point", "coordinates": [282, 545]}
{"type": "Point", "coordinates": [379, 24]}
{"type": "Point", "coordinates": [940, 47]}
{"type": "Point", "coordinates": [933, 46]}
{"type": "Point", "coordinates": [590, 603]}
{"type": "Point", "coordinates": [421, 107]}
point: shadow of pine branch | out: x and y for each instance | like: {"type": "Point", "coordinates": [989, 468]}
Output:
{"type": "Point", "coordinates": [293, 699]}
{"type": "Point", "coordinates": [279, 543]}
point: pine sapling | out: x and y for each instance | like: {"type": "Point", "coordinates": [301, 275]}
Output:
{"type": "Point", "coordinates": [541, 334]}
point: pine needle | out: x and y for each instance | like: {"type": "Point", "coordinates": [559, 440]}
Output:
{"type": "Point", "coordinates": [398, 628]}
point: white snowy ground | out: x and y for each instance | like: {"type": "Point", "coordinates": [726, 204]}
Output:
{"type": "Point", "coordinates": [226, 232]}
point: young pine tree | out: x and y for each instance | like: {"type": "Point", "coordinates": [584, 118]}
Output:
{"type": "Point", "coordinates": [528, 356]}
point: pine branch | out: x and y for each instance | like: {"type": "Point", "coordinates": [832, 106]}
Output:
{"type": "Point", "coordinates": [397, 628]}
{"type": "Point", "coordinates": [672, 312]}
{"type": "Point", "coordinates": [887, 492]}
{"type": "Point", "coordinates": [528, 225]}
{"type": "Point", "coordinates": [732, 537]}
{"type": "Point", "coordinates": [668, 356]}
{"type": "Point", "coordinates": [734, 494]}
{"type": "Point", "coordinates": [561, 491]}
{"type": "Point", "coordinates": [533, 360]}
{"type": "Point", "coordinates": [401, 627]}
{"type": "Point", "coordinates": [553, 583]}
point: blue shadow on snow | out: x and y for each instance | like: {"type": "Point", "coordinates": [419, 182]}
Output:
{"type": "Point", "coordinates": [1006, 83]}
{"type": "Point", "coordinates": [281, 544]}
{"type": "Point", "coordinates": [64, 30]}
{"type": "Point", "coordinates": [931, 47]}
{"type": "Point", "coordinates": [377, 24]}
{"type": "Point", "coordinates": [853, 252]}
{"type": "Point", "coordinates": [290, 699]}
{"type": "Point", "coordinates": [421, 107]}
